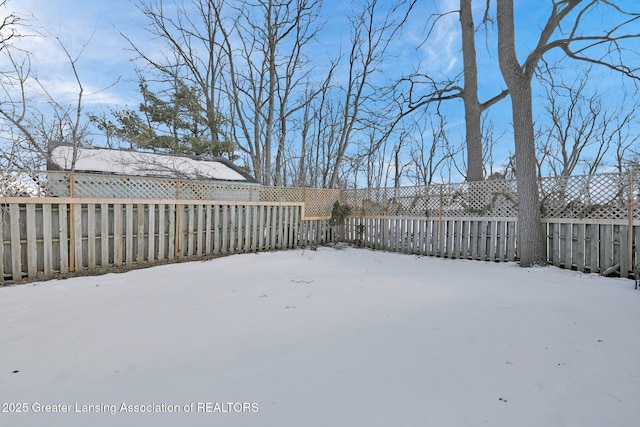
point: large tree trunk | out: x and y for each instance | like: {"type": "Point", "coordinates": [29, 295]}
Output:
{"type": "Point", "coordinates": [472, 108]}
{"type": "Point", "coordinates": [531, 243]}
{"type": "Point", "coordinates": [531, 240]}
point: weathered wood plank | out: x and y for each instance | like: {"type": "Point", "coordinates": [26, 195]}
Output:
{"type": "Point", "coordinates": [566, 230]}
{"type": "Point", "coordinates": [191, 236]}
{"type": "Point", "coordinates": [262, 215]}
{"type": "Point", "coordinates": [482, 250]}
{"type": "Point", "coordinates": [4, 219]}
{"type": "Point", "coordinates": [280, 227]}
{"type": "Point", "coordinates": [293, 230]}
{"type": "Point", "coordinates": [500, 241]}
{"type": "Point", "coordinates": [140, 235]}
{"type": "Point", "coordinates": [255, 227]}
{"type": "Point", "coordinates": [217, 242]}
{"type": "Point", "coordinates": [63, 238]}
{"type": "Point", "coordinates": [47, 242]}
{"type": "Point", "coordinates": [151, 232]}
{"type": "Point", "coordinates": [636, 242]}
{"type": "Point", "coordinates": [578, 245]}
{"type": "Point", "coordinates": [118, 235]}
{"type": "Point", "coordinates": [511, 241]}
{"type": "Point", "coordinates": [128, 225]}
{"type": "Point", "coordinates": [457, 239]}
{"type": "Point", "coordinates": [162, 243]}
{"type": "Point", "coordinates": [492, 235]}
{"type": "Point", "coordinates": [91, 235]}
{"type": "Point", "coordinates": [606, 247]}
{"type": "Point", "coordinates": [555, 243]}
{"type": "Point", "coordinates": [104, 234]}
{"type": "Point", "coordinates": [450, 233]}
{"type": "Point", "coordinates": [435, 237]}
{"type": "Point", "coordinates": [172, 239]}
{"type": "Point", "coordinates": [181, 231]}
{"type": "Point", "coordinates": [225, 229]}
{"type": "Point", "coordinates": [208, 243]}
{"type": "Point", "coordinates": [416, 234]}
{"type": "Point", "coordinates": [623, 250]}
{"type": "Point", "coordinates": [32, 248]}
{"type": "Point", "coordinates": [77, 236]}
{"type": "Point", "coordinates": [591, 247]}
{"type": "Point", "coordinates": [200, 230]}
{"type": "Point", "coordinates": [270, 231]}
{"type": "Point", "coordinates": [473, 240]}
{"type": "Point", "coordinates": [233, 228]}
{"type": "Point", "coordinates": [405, 235]}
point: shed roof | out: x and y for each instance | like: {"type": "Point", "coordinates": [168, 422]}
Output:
{"type": "Point", "coordinates": [123, 162]}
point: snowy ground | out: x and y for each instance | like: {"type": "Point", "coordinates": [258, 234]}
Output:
{"type": "Point", "coordinates": [331, 337]}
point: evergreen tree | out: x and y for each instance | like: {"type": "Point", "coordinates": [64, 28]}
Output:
{"type": "Point", "coordinates": [175, 124]}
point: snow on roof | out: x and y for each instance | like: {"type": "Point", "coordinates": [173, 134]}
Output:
{"type": "Point", "coordinates": [144, 164]}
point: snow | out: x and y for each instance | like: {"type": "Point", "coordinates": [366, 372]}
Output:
{"type": "Point", "coordinates": [333, 337]}
{"type": "Point", "coordinates": [143, 164]}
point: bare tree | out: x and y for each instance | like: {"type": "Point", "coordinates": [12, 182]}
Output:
{"type": "Point", "coordinates": [32, 115]}
{"type": "Point", "coordinates": [265, 49]}
{"type": "Point", "coordinates": [8, 26]}
{"type": "Point", "coordinates": [603, 49]}
{"type": "Point", "coordinates": [369, 42]}
{"type": "Point", "coordinates": [432, 152]}
{"type": "Point", "coordinates": [575, 120]}
{"type": "Point", "coordinates": [424, 90]}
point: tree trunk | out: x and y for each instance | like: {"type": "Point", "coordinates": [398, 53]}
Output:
{"type": "Point", "coordinates": [531, 241]}
{"type": "Point", "coordinates": [531, 244]}
{"type": "Point", "coordinates": [472, 108]}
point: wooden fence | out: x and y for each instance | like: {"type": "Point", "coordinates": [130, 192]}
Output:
{"type": "Point", "coordinates": [469, 238]}
{"type": "Point", "coordinates": [590, 246]}
{"type": "Point", "coordinates": [40, 237]}
{"type": "Point", "coordinates": [609, 247]}
{"type": "Point", "coordinates": [592, 223]}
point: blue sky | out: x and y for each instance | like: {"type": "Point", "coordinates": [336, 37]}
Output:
{"type": "Point", "coordinates": [91, 29]}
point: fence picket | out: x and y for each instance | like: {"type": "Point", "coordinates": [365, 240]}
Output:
{"type": "Point", "coordinates": [151, 233]}
{"type": "Point", "coordinates": [117, 234]}
{"type": "Point", "coordinates": [128, 226]}
{"type": "Point", "coordinates": [217, 244]}
{"type": "Point", "coordinates": [16, 251]}
{"type": "Point", "coordinates": [47, 243]}
{"type": "Point", "coordinates": [606, 247]}
{"type": "Point", "coordinates": [77, 236]}
{"type": "Point", "coordinates": [200, 230]}
{"type": "Point", "coordinates": [140, 240]}
{"type": "Point", "coordinates": [63, 238]}
{"type": "Point", "coordinates": [91, 235]}
{"type": "Point", "coordinates": [32, 249]}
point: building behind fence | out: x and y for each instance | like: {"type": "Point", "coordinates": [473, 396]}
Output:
{"type": "Point", "coordinates": [60, 222]}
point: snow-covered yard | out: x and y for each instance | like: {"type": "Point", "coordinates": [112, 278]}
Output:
{"type": "Point", "coordinates": [333, 337]}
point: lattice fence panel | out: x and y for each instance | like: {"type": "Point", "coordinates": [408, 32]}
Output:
{"type": "Point", "coordinates": [604, 196]}
{"type": "Point", "coordinates": [105, 186]}
{"type": "Point", "coordinates": [319, 202]}
{"type": "Point", "coordinates": [23, 184]}
{"type": "Point", "coordinates": [490, 199]}
{"type": "Point", "coordinates": [202, 190]}
{"type": "Point", "coordinates": [282, 194]}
